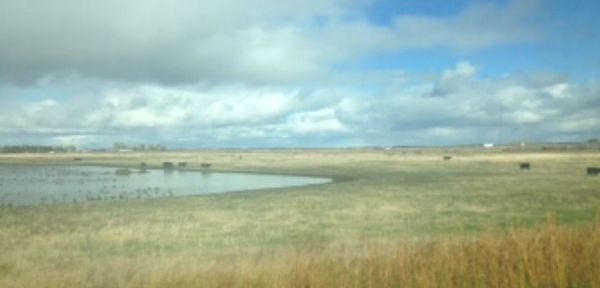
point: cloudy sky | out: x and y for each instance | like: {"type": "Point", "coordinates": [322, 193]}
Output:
{"type": "Point", "coordinates": [312, 73]}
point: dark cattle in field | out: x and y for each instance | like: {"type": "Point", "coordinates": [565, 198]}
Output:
{"type": "Point", "coordinates": [593, 171]}
{"type": "Point", "coordinates": [447, 157]}
{"type": "Point", "coordinates": [168, 165]}
{"type": "Point", "coordinates": [525, 166]}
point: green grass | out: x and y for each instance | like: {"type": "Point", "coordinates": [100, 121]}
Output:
{"type": "Point", "coordinates": [379, 199]}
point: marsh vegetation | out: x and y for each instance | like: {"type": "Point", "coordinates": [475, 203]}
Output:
{"type": "Point", "coordinates": [391, 218]}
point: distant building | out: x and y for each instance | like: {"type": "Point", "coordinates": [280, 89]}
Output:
{"type": "Point", "coordinates": [488, 145]}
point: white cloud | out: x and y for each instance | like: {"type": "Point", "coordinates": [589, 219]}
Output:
{"type": "Point", "coordinates": [401, 112]}
{"type": "Point", "coordinates": [157, 107]}
{"type": "Point", "coordinates": [478, 110]}
{"type": "Point", "coordinates": [258, 41]}
{"type": "Point", "coordinates": [454, 79]}
{"type": "Point", "coordinates": [318, 122]}
{"type": "Point", "coordinates": [578, 125]}
{"type": "Point", "coordinates": [559, 90]}
{"type": "Point", "coordinates": [462, 70]}
{"type": "Point", "coordinates": [74, 140]}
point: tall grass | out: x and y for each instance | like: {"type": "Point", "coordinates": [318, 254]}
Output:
{"type": "Point", "coordinates": [552, 256]}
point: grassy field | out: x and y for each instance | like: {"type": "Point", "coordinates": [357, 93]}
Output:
{"type": "Point", "coordinates": [390, 218]}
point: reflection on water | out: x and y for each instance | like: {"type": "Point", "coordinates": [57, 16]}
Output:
{"type": "Point", "coordinates": [33, 185]}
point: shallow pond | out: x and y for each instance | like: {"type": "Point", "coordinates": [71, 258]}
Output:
{"type": "Point", "coordinates": [34, 185]}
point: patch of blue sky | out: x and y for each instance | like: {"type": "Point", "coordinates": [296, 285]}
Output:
{"type": "Point", "coordinates": [44, 92]}
{"type": "Point", "coordinates": [417, 61]}
{"type": "Point", "coordinates": [510, 59]}
{"type": "Point", "coordinates": [52, 88]}
{"type": "Point", "coordinates": [491, 62]}
{"type": "Point", "coordinates": [572, 10]}
{"type": "Point", "coordinates": [568, 43]}
{"type": "Point", "coordinates": [573, 49]}
{"type": "Point", "coordinates": [383, 12]}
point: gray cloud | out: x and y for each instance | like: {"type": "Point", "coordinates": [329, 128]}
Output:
{"type": "Point", "coordinates": [260, 41]}
{"type": "Point", "coordinates": [138, 40]}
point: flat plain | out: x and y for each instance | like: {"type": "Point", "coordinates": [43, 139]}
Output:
{"type": "Point", "coordinates": [390, 218]}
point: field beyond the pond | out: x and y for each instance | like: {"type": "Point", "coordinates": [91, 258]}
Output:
{"type": "Point", "coordinates": [390, 218]}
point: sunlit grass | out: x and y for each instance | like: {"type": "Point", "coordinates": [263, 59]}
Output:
{"type": "Point", "coordinates": [389, 219]}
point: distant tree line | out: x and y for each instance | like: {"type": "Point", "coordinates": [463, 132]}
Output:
{"type": "Point", "coordinates": [37, 149]}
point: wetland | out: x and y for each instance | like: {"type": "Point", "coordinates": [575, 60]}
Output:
{"type": "Point", "coordinates": [24, 185]}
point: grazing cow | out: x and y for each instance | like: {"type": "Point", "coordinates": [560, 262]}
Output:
{"type": "Point", "coordinates": [205, 165]}
{"type": "Point", "coordinates": [447, 157]}
{"type": "Point", "coordinates": [525, 166]}
{"type": "Point", "coordinates": [593, 171]}
{"type": "Point", "coordinates": [168, 165]}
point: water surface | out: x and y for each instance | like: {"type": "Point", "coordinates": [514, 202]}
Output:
{"type": "Point", "coordinates": [34, 185]}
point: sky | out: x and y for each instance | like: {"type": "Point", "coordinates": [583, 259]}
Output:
{"type": "Point", "coordinates": [283, 73]}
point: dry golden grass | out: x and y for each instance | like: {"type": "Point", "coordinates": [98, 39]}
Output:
{"type": "Point", "coordinates": [391, 219]}
{"type": "Point", "coordinates": [548, 257]}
